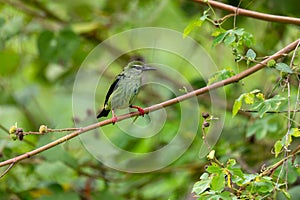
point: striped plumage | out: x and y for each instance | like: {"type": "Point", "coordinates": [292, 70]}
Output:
{"type": "Point", "coordinates": [124, 89]}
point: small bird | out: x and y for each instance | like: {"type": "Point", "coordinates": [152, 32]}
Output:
{"type": "Point", "coordinates": [124, 89]}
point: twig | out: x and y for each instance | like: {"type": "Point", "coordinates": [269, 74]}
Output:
{"type": "Point", "coordinates": [49, 130]}
{"type": "Point", "coordinates": [273, 112]}
{"type": "Point", "coordinates": [4, 129]}
{"type": "Point", "coordinates": [7, 170]}
{"type": "Point", "coordinates": [159, 106]}
{"type": "Point", "coordinates": [272, 168]}
{"type": "Point", "coordinates": [204, 135]}
{"type": "Point", "coordinates": [249, 13]}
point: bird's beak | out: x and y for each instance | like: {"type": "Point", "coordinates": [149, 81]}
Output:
{"type": "Point", "coordinates": [148, 68]}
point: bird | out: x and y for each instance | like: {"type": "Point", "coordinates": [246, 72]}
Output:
{"type": "Point", "coordinates": [124, 89]}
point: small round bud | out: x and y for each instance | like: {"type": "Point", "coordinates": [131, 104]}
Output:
{"type": "Point", "coordinates": [271, 63]}
{"type": "Point", "coordinates": [206, 124]}
{"type": "Point", "coordinates": [43, 129]}
{"type": "Point", "coordinates": [205, 115]}
{"type": "Point", "coordinates": [19, 131]}
{"type": "Point", "coordinates": [13, 137]}
{"type": "Point", "coordinates": [21, 136]}
{"type": "Point", "coordinates": [12, 129]}
{"type": "Point", "coordinates": [211, 155]}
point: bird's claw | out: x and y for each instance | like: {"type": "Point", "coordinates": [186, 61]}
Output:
{"type": "Point", "coordinates": [141, 111]}
{"type": "Point", "coordinates": [114, 119]}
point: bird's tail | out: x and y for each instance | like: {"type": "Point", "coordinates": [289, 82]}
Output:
{"type": "Point", "coordinates": [103, 113]}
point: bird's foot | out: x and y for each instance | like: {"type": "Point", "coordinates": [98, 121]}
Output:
{"type": "Point", "coordinates": [141, 110]}
{"type": "Point", "coordinates": [114, 119]}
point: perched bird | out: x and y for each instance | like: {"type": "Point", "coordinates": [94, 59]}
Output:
{"type": "Point", "coordinates": [124, 89]}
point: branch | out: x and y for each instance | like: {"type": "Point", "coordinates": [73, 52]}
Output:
{"type": "Point", "coordinates": [159, 106]}
{"type": "Point", "coordinates": [272, 112]}
{"type": "Point", "coordinates": [249, 13]}
{"type": "Point", "coordinates": [272, 168]}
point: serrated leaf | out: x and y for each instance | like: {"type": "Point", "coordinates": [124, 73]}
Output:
{"type": "Point", "coordinates": [251, 54]}
{"type": "Point", "coordinates": [284, 68]}
{"type": "Point", "coordinates": [277, 147]}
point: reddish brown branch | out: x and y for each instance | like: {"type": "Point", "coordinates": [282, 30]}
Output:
{"type": "Point", "coordinates": [203, 90]}
{"type": "Point", "coordinates": [249, 13]}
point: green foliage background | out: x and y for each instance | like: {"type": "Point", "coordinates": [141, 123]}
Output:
{"type": "Point", "coordinates": [42, 45]}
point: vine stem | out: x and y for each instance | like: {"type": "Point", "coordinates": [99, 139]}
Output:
{"type": "Point", "coordinates": [249, 13]}
{"type": "Point", "coordinates": [155, 107]}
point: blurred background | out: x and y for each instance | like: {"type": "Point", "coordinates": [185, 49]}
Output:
{"type": "Point", "coordinates": [42, 46]}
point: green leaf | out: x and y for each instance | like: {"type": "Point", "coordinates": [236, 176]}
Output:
{"type": "Point", "coordinates": [231, 162]}
{"type": "Point", "coordinates": [229, 39]}
{"type": "Point", "coordinates": [286, 194]}
{"type": "Point", "coordinates": [226, 196]}
{"type": "Point", "coordinates": [251, 54]}
{"type": "Point", "coordinates": [221, 75]}
{"type": "Point", "coordinates": [47, 45]}
{"type": "Point", "coordinates": [219, 38]}
{"type": "Point", "coordinates": [295, 132]}
{"type": "Point", "coordinates": [269, 105]}
{"type": "Point", "coordinates": [218, 182]}
{"type": "Point", "coordinates": [191, 26]}
{"type": "Point", "coordinates": [236, 106]}
{"type": "Point", "coordinates": [236, 172]}
{"type": "Point", "coordinates": [195, 23]}
{"type": "Point", "coordinates": [239, 31]}
{"type": "Point", "coordinates": [53, 172]}
{"type": "Point", "coordinates": [249, 98]}
{"type": "Point", "coordinates": [10, 61]}
{"type": "Point", "coordinates": [202, 185]}
{"type": "Point", "coordinates": [263, 186]}
{"type": "Point", "coordinates": [277, 147]}
{"type": "Point", "coordinates": [57, 47]}
{"type": "Point", "coordinates": [284, 68]}
{"type": "Point", "coordinates": [214, 169]}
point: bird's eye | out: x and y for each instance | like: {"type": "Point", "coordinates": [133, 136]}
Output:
{"type": "Point", "coordinates": [138, 67]}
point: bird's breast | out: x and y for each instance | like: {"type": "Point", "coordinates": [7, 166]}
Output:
{"type": "Point", "coordinates": [123, 96]}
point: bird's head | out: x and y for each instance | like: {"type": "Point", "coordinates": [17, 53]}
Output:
{"type": "Point", "coordinates": [137, 68]}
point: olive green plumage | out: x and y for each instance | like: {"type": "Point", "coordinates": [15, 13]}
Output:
{"type": "Point", "coordinates": [125, 88]}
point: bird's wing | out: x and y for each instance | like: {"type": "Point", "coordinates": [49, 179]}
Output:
{"type": "Point", "coordinates": [113, 87]}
